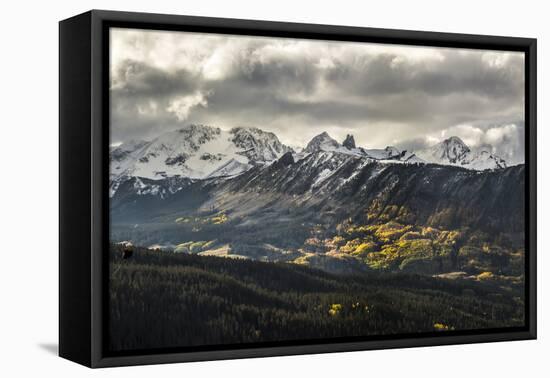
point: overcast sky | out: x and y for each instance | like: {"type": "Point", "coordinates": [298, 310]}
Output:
{"type": "Point", "coordinates": [404, 96]}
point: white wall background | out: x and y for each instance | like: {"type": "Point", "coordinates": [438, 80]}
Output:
{"type": "Point", "coordinates": [28, 187]}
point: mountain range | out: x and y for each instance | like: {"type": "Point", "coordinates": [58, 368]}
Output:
{"type": "Point", "coordinates": [199, 152]}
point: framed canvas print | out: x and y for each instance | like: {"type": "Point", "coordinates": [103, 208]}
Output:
{"type": "Point", "coordinates": [233, 188]}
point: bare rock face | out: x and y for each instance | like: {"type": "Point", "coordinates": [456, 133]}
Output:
{"type": "Point", "coordinates": [349, 142]}
{"type": "Point", "coordinates": [287, 159]}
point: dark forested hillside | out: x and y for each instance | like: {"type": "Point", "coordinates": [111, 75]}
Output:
{"type": "Point", "coordinates": [160, 299]}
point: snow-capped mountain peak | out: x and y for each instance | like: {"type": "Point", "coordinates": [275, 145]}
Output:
{"type": "Point", "coordinates": [258, 145]}
{"type": "Point", "coordinates": [453, 151]}
{"type": "Point", "coordinates": [196, 152]}
{"type": "Point", "coordinates": [325, 143]}
{"type": "Point", "coordinates": [322, 142]}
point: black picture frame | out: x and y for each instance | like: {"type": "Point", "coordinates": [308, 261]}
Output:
{"type": "Point", "coordinates": [83, 180]}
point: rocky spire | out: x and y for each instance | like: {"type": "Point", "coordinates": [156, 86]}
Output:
{"type": "Point", "coordinates": [349, 142]}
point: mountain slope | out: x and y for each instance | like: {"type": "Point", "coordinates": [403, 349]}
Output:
{"type": "Point", "coordinates": [331, 187]}
{"type": "Point", "coordinates": [326, 180]}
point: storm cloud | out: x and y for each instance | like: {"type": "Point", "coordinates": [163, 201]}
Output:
{"type": "Point", "coordinates": [382, 94]}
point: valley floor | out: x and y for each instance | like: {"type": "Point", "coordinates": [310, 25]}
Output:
{"type": "Point", "coordinates": [164, 300]}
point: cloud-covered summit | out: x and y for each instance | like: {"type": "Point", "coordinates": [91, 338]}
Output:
{"type": "Point", "coordinates": [382, 94]}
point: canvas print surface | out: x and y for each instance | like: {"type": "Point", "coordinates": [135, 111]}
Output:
{"type": "Point", "coordinates": [278, 190]}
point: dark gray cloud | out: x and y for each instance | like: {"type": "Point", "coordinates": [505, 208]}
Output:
{"type": "Point", "coordinates": [138, 80]}
{"type": "Point", "coordinates": [456, 73]}
{"type": "Point", "coordinates": [383, 94]}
